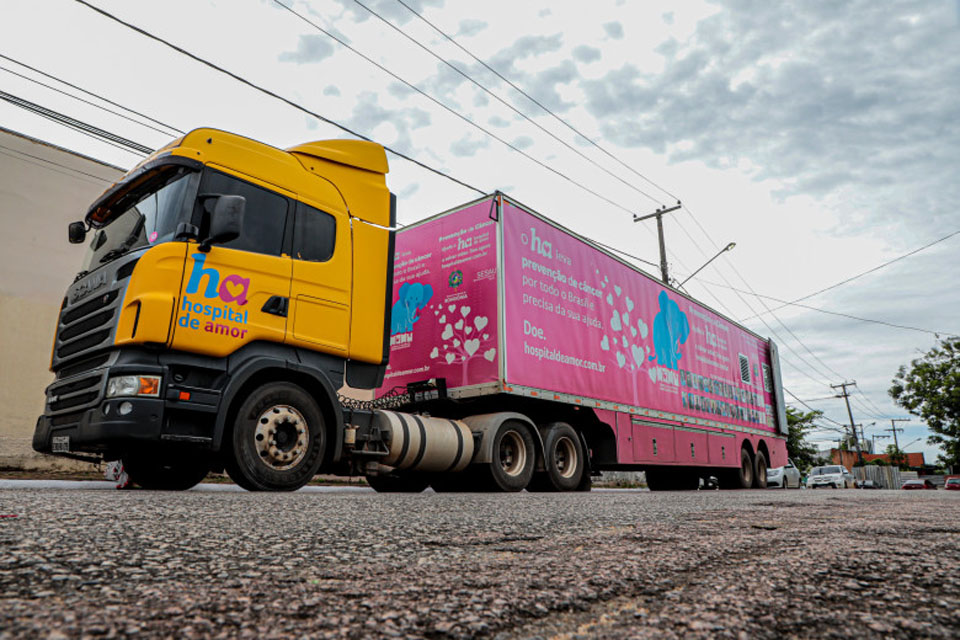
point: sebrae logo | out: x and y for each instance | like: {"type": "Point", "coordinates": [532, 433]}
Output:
{"type": "Point", "coordinates": [231, 289]}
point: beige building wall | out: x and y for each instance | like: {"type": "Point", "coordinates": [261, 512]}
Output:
{"type": "Point", "coordinates": [42, 189]}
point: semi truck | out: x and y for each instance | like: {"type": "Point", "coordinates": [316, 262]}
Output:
{"type": "Point", "coordinates": [231, 291]}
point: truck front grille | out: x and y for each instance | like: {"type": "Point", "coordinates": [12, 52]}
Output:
{"type": "Point", "coordinates": [76, 393]}
{"type": "Point", "coordinates": [85, 328]}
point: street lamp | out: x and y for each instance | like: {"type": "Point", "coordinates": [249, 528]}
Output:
{"type": "Point", "coordinates": [729, 247]}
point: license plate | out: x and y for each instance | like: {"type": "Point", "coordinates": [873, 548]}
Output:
{"type": "Point", "coordinates": [60, 444]}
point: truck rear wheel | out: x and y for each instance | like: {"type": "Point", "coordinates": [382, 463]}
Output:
{"type": "Point", "coordinates": [165, 473]}
{"type": "Point", "coordinates": [744, 477]}
{"type": "Point", "coordinates": [513, 458]}
{"type": "Point", "coordinates": [760, 471]}
{"type": "Point", "coordinates": [278, 439]}
{"type": "Point", "coordinates": [563, 460]}
{"type": "Point", "coordinates": [398, 482]}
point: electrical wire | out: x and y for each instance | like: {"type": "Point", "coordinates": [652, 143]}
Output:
{"type": "Point", "coordinates": [270, 93]}
{"type": "Point", "coordinates": [538, 103]}
{"type": "Point", "coordinates": [506, 104]}
{"type": "Point", "coordinates": [16, 153]}
{"type": "Point", "coordinates": [90, 93]}
{"type": "Point", "coordinates": [450, 110]}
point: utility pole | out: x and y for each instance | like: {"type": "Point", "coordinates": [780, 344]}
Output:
{"type": "Point", "coordinates": [853, 426]}
{"type": "Point", "coordinates": [658, 214]}
{"type": "Point", "coordinates": [893, 428]}
{"type": "Point", "coordinates": [873, 440]}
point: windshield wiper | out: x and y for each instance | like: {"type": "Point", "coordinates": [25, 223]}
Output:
{"type": "Point", "coordinates": [127, 243]}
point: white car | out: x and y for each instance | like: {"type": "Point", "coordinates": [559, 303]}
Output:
{"type": "Point", "coordinates": [833, 476]}
{"type": "Point", "coordinates": [785, 477]}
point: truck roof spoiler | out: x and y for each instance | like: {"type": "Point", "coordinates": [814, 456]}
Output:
{"type": "Point", "coordinates": [361, 154]}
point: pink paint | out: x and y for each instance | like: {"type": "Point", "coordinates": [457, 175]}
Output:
{"type": "Point", "coordinates": [444, 313]}
{"type": "Point", "coordinates": [578, 321]}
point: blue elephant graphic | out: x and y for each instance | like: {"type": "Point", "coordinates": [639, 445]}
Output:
{"type": "Point", "coordinates": [412, 298]}
{"type": "Point", "coordinates": [670, 330]}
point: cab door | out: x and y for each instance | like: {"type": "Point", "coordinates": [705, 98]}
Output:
{"type": "Point", "coordinates": [236, 293]}
{"type": "Point", "coordinates": [320, 288]}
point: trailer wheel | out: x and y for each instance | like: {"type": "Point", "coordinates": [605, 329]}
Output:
{"type": "Point", "coordinates": [742, 478]}
{"type": "Point", "coordinates": [158, 473]}
{"type": "Point", "coordinates": [760, 474]}
{"type": "Point", "coordinates": [563, 459]}
{"type": "Point", "coordinates": [278, 439]}
{"type": "Point", "coordinates": [398, 482]}
{"type": "Point", "coordinates": [513, 458]}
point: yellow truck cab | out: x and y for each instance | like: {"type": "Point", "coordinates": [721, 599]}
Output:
{"type": "Point", "coordinates": [229, 290]}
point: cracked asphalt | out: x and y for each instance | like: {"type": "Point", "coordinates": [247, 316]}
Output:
{"type": "Point", "coordinates": [352, 564]}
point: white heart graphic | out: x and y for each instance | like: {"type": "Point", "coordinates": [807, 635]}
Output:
{"type": "Point", "coordinates": [643, 328]}
{"type": "Point", "coordinates": [626, 318]}
{"type": "Point", "coordinates": [436, 313]}
{"type": "Point", "coordinates": [490, 354]}
{"type": "Point", "coordinates": [456, 342]}
{"type": "Point", "coordinates": [470, 330]}
{"type": "Point", "coordinates": [637, 354]}
{"type": "Point", "coordinates": [623, 341]}
{"type": "Point", "coordinates": [605, 344]}
{"type": "Point", "coordinates": [471, 346]}
{"type": "Point", "coordinates": [615, 322]}
{"type": "Point", "coordinates": [633, 332]}
{"type": "Point", "coordinates": [629, 304]}
{"type": "Point", "coordinates": [450, 358]}
{"type": "Point", "coordinates": [617, 289]}
{"type": "Point", "coordinates": [443, 318]}
{"type": "Point", "coordinates": [480, 322]}
{"type": "Point", "coordinates": [435, 352]}
{"type": "Point", "coordinates": [486, 335]}
{"type": "Point", "coordinates": [621, 360]}
{"type": "Point", "coordinates": [459, 324]}
{"type": "Point", "coordinates": [447, 333]}
{"type": "Point", "coordinates": [451, 307]}
{"type": "Point", "coordinates": [465, 311]}
{"type": "Point", "coordinates": [653, 374]}
{"type": "Point", "coordinates": [609, 298]}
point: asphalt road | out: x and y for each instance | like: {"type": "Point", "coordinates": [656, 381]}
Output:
{"type": "Point", "coordinates": [355, 564]}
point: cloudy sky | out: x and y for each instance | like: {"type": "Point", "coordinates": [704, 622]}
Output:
{"type": "Point", "coordinates": [822, 137]}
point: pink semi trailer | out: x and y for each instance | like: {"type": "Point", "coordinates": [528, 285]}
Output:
{"type": "Point", "coordinates": [525, 356]}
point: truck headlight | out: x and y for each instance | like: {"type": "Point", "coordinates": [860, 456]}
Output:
{"type": "Point", "coordinates": [134, 386]}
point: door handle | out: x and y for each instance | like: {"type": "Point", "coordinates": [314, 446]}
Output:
{"type": "Point", "coordinates": [276, 305]}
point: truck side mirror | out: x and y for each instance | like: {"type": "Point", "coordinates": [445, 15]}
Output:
{"type": "Point", "coordinates": [226, 220]}
{"type": "Point", "coordinates": [76, 232]}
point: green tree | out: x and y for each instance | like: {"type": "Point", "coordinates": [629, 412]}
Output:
{"type": "Point", "coordinates": [930, 389]}
{"type": "Point", "coordinates": [896, 457]}
{"type": "Point", "coordinates": [799, 424]}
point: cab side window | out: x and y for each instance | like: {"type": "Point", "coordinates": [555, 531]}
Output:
{"type": "Point", "coordinates": [264, 218]}
{"type": "Point", "coordinates": [314, 234]}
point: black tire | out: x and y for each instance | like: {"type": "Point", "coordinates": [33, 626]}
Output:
{"type": "Point", "coordinates": [278, 439]}
{"type": "Point", "coordinates": [514, 458]}
{"type": "Point", "coordinates": [743, 477]}
{"type": "Point", "coordinates": [564, 460]}
{"type": "Point", "coordinates": [760, 471]}
{"type": "Point", "coordinates": [171, 472]}
{"type": "Point", "coordinates": [398, 482]}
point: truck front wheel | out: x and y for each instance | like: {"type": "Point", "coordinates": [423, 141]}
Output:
{"type": "Point", "coordinates": [278, 439]}
{"type": "Point", "coordinates": [173, 472]}
{"type": "Point", "coordinates": [760, 474]}
{"type": "Point", "coordinates": [513, 458]}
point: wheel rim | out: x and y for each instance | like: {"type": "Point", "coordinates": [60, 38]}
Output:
{"type": "Point", "coordinates": [565, 457]}
{"type": "Point", "coordinates": [281, 437]}
{"type": "Point", "coordinates": [512, 454]}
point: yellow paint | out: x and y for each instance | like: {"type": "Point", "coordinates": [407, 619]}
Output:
{"type": "Point", "coordinates": [336, 306]}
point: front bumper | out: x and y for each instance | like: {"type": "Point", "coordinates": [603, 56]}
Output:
{"type": "Point", "coordinates": [101, 428]}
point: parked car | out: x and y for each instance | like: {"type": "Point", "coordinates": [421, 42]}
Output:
{"type": "Point", "coordinates": [952, 483]}
{"type": "Point", "coordinates": [918, 484]}
{"type": "Point", "coordinates": [832, 475]}
{"type": "Point", "coordinates": [784, 477]}
{"type": "Point", "coordinates": [869, 484]}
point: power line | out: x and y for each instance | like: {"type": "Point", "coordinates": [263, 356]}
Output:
{"type": "Point", "coordinates": [539, 104]}
{"type": "Point", "coordinates": [824, 416]}
{"type": "Point", "coordinates": [92, 104]}
{"type": "Point", "coordinates": [869, 271]}
{"type": "Point", "coordinates": [454, 112]}
{"type": "Point", "coordinates": [505, 103]}
{"type": "Point", "coordinates": [90, 93]}
{"type": "Point", "coordinates": [829, 312]}
{"type": "Point", "coordinates": [272, 94]}
{"type": "Point", "coordinates": [82, 127]}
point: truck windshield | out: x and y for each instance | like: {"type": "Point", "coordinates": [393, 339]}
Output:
{"type": "Point", "coordinates": [146, 214]}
